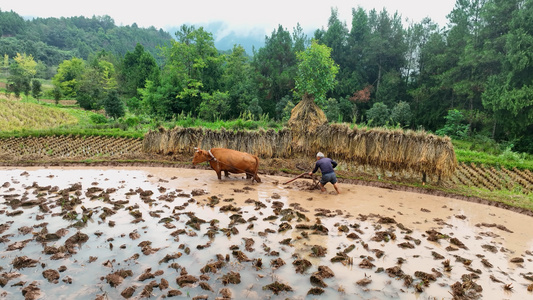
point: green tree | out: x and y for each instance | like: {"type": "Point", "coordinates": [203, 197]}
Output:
{"type": "Point", "coordinates": [98, 79]}
{"type": "Point", "coordinates": [68, 77]}
{"type": "Point", "coordinates": [11, 23]}
{"type": "Point", "coordinates": [214, 106]}
{"type": "Point", "coordinates": [430, 95]}
{"type": "Point", "coordinates": [36, 89]}
{"type": "Point", "coordinates": [332, 110]}
{"type": "Point", "coordinates": [254, 108]}
{"type": "Point", "coordinates": [378, 115]}
{"type": "Point", "coordinates": [91, 93]}
{"type": "Point", "coordinates": [193, 66]}
{"type": "Point", "coordinates": [509, 92]}
{"type": "Point", "coordinates": [5, 64]}
{"type": "Point", "coordinates": [386, 47]}
{"type": "Point", "coordinates": [56, 92]}
{"type": "Point", "coordinates": [316, 72]}
{"type": "Point", "coordinates": [237, 81]}
{"type": "Point", "coordinates": [401, 114]}
{"type": "Point", "coordinates": [22, 72]}
{"type": "Point", "coordinates": [113, 106]}
{"type": "Point", "coordinates": [275, 68]}
{"type": "Point", "coordinates": [455, 125]}
{"type": "Point", "coordinates": [358, 52]}
{"type": "Point", "coordinates": [286, 113]}
{"type": "Point", "coordinates": [137, 67]}
{"type": "Point", "coordinates": [465, 74]}
{"type": "Point", "coordinates": [336, 37]}
{"type": "Point", "coordinates": [508, 42]}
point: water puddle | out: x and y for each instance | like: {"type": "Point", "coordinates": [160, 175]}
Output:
{"type": "Point", "coordinates": [111, 233]}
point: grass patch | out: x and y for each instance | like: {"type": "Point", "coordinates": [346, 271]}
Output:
{"type": "Point", "coordinates": [514, 198]}
{"type": "Point", "coordinates": [506, 158]}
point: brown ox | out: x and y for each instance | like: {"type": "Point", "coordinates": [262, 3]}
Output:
{"type": "Point", "coordinates": [229, 161]}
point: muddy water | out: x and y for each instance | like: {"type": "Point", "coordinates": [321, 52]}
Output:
{"type": "Point", "coordinates": [116, 242]}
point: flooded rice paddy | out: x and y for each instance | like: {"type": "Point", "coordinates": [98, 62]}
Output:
{"type": "Point", "coordinates": [115, 233]}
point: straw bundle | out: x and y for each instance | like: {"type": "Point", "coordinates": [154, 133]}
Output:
{"type": "Point", "coordinates": [266, 144]}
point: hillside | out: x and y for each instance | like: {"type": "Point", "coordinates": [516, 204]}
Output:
{"type": "Point", "coordinates": [52, 40]}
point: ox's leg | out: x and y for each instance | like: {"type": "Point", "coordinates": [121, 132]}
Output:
{"type": "Point", "coordinates": [226, 173]}
{"type": "Point", "coordinates": [218, 169]}
{"type": "Point", "coordinates": [256, 178]}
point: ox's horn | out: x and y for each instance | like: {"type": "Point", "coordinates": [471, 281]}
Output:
{"type": "Point", "coordinates": [196, 149]}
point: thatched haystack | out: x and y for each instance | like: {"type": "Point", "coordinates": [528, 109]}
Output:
{"type": "Point", "coordinates": [306, 117]}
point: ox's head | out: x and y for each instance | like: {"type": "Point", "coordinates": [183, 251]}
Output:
{"type": "Point", "coordinates": [200, 156]}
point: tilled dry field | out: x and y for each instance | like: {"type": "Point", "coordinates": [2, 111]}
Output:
{"type": "Point", "coordinates": [69, 147]}
{"type": "Point", "coordinates": [123, 233]}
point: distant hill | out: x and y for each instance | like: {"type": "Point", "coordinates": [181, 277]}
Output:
{"type": "Point", "coordinates": [52, 40]}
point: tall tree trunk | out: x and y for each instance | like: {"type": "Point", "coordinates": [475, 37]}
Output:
{"type": "Point", "coordinates": [379, 77]}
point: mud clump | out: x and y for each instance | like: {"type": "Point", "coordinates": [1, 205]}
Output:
{"type": "Point", "coordinates": [128, 292]}
{"type": "Point", "coordinates": [277, 263]}
{"type": "Point", "coordinates": [75, 241]}
{"type": "Point", "coordinates": [231, 277]}
{"type": "Point", "coordinates": [395, 271]}
{"type": "Point", "coordinates": [186, 280]}
{"type": "Point", "coordinates": [5, 277]}
{"type": "Point", "coordinates": [116, 278]}
{"type": "Point", "coordinates": [22, 262]}
{"type": "Point", "coordinates": [318, 251]}
{"type": "Point", "coordinates": [301, 265]}
{"type": "Point", "coordinates": [364, 282]}
{"type": "Point", "coordinates": [277, 287]}
{"type": "Point", "coordinates": [466, 290]}
{"type": "Point", "coordinates": [32, 291]}
{"type": "Point", "coordinates": [51, 275]}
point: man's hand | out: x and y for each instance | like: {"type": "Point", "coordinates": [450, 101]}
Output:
{"type": "Point", "coordinates": [310, 173]}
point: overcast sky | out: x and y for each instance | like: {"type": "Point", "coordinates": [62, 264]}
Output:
{"type": "Point", "coordinates": [240, 15]}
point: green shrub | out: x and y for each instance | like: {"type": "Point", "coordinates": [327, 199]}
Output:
{"type": "Point", "coordinates": [378, 115]}
{"type": "Point", "coordinates": [132, 121]}
{"type": "Point", "coordinates": [98, 119]}
{"type": "Point", "coordinates": [455, 126]}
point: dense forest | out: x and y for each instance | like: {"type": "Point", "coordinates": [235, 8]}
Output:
{"type": "Point", "coordinates": [472, 79]}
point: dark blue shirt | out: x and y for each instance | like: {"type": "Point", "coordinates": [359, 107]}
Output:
{"type": "Point", "coordinates": [325, 164]}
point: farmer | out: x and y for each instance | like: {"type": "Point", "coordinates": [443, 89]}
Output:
{"type": "Point", "coordinates": [326, 166]}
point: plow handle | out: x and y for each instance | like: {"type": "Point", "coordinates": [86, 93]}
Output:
{"type": "Point", "coordinates": [295, 178]}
